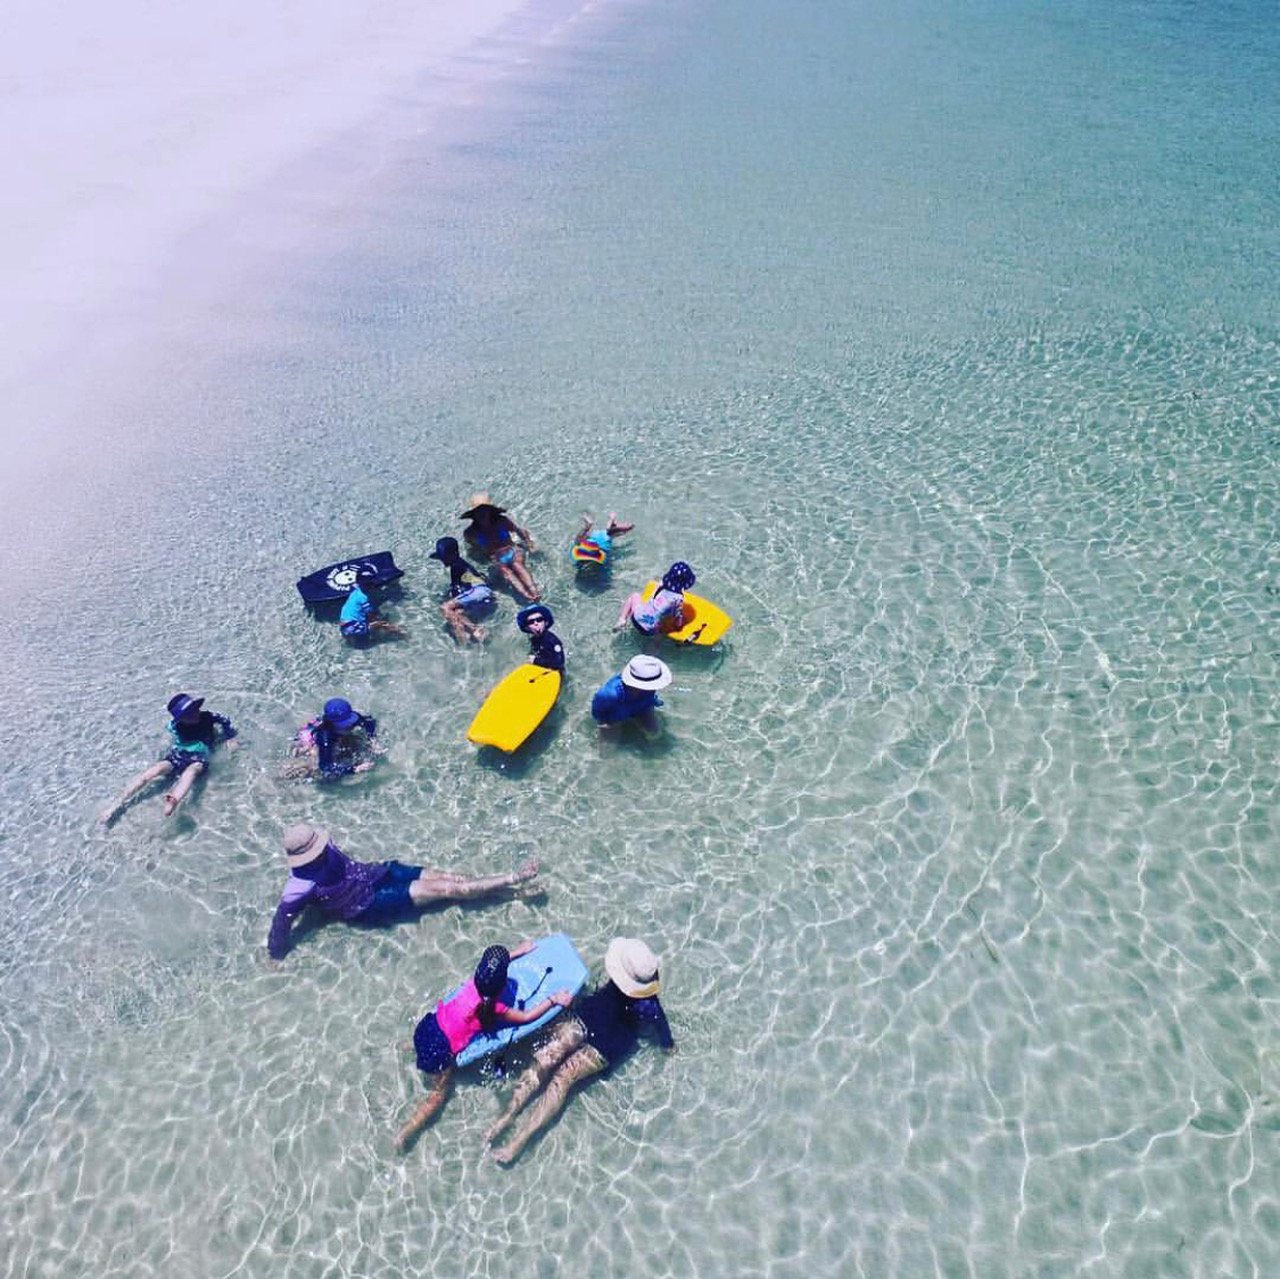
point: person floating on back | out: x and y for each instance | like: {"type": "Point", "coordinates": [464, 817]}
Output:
{"type": "Point", "coordinates": [491, 534]}
{"type": "Point", "coordinates": [595, 545]}
{"type": "Point", "coordinates": [441, 1035]}
{"type": "Point", "coordinates": [359, 620]}
{"type": "Point", "coordinates": [603, 1029]}
{"type": "Point", "coordinates": [633, 694]}
{"type": "Point", "coordinates": [321, 874]}
{"type": "Point", "coordinates": [546, 650]}
{"type": "Point", "coordinates": [341, 742]}
{"type": "Point", "coordinates": [469, 593]}
{"type": "Point", "coordinates": [194, 733]}
{"type": "Point", "coordinates": [663, 612]}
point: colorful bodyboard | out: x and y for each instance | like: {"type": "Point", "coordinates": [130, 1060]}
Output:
{"type": "Point", "coordinates": [515, 708]}
{"type": "Point", "coordinates": [552, 965]}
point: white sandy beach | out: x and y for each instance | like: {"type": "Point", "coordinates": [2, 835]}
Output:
{"type": "Point", "coordinates": [124, 127]}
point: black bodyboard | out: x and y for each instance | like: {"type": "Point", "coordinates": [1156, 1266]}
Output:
{"type": "Point", "coordinates": [333, 583]}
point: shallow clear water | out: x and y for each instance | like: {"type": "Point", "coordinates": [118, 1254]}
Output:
{"type": "Point", "coordinates": [941, 340]}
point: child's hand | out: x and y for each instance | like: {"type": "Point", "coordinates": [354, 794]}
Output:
{"type": "Point", "coordinates": [562, 997]}
{"type": "Point", "coordinates": [363, 767]}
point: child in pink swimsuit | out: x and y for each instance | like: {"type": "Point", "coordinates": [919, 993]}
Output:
{"type": "Point", "coordinates": [440, 1035]}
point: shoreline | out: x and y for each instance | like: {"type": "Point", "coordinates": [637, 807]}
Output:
{"type": "Point", "coordinates": [160, 159]}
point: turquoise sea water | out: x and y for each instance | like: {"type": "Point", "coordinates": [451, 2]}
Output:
{"type": "Point", "coordinates": [941, 339]}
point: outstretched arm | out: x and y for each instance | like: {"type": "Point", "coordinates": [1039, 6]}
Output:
{"type": "Point", "coordinates": [522, 1017]}
{"type": "Point", "coordinates": [650, 1010]}
{"type": "Point", "coordinates": [297, 893]}
{"type": "Point", "coordinates": [522, 533]}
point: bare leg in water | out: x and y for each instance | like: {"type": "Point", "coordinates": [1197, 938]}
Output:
{"type": "Point", "coordinates": [182, 789]}
{"type": "Point", "coordinates": [158, 770]}
{"type": "Point", "coordinates": [579, 1065]}
{"type": "Point", "coordinates": [519, 578]}
{"type": "Point", "coordinates": [439, 885]}
{"type": "Point", "coordinates": [567, 1037]}
{"type": "Point", "coordinates": [426, 1110]}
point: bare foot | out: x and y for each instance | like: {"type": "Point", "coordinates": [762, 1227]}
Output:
{"type": "Point", "coordinates": [503, 1155]}
{"type": "Point", "coordinates": [171, 803]}
{"type": "Point", "coordinates": [480, 634]}
{"type": "Point", "coordinates": [528, 871]}
{"type": "Point", "coordinates": [494, 1129]}
{"type": "Point", "coordinates": [108, 815]}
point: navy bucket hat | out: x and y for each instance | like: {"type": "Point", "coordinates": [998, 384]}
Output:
{"type": "Point", "coordinates": [183, 707]}
{"type": "Point", "coordinates": [446, 550]}
{"type": "Point", "coordinates": [338, 712]}
{"type": "Point", "coordinates": [526, 615]}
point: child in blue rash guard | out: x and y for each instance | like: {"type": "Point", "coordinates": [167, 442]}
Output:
{"type": "Point", "coordinates": [546, 650]}
{"type": "Point", "coordinates": [358, 620]}
{"type": "Point", "coordinates": [337, 744]}
{"type": "Point", "coordinates": [194, 733]}
{"type": "Point", "coordinates": [468, 593]}
{"type": "Point", "coordinates": [633, 694]}
{"type": "Point", "coordinates": [598, 1033]}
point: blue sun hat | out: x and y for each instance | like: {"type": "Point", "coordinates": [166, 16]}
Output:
{"type": "Point", "coordinates": [182, 707]}
{"type": "Point", "coordinates": [446, 550]}
{"type": "Point", "coordinates": [679, 577]}
{"type": "Point", "coordinates": [338, 713]}
{"type": "Point", "coordinates": [491, 971]}
{"type": "Point", "coordinates": [526, 615]}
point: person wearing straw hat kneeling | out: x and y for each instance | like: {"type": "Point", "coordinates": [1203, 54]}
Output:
{"type": "Point", "coordinates": [633, 694]}
{"type": "Point", "coordinates": [321, 874]}
{"type": "Point", "coordinates": [491, 534]}
{"type": "Point", "coordinates": [603, 1029]}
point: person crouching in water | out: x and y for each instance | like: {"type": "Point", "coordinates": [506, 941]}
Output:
{"type": "Point", "coordinates": [663, 611]}
{"type": "Point", "coordinates": [441, 1035]}
{"type": "Point", "coordinates": [321, 874]}
{"type": "Point", "coordinates": [359, 620]}
{"type": "Point", "coordinates": [633, 694]}
{"type": "Point", "coordinates": [194, 732]}
{"type": "Point", "coordinates": [603, 1029]}
{"type": "Point", "coordinates": [468, 593]}
{"type": "Point", "coordinates": [337, 744]}
{"type": "Point", "coordinates": [546, 650]}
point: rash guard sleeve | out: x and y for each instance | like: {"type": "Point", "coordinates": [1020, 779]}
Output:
{"type": "Point", "coordinates": [297, 892]}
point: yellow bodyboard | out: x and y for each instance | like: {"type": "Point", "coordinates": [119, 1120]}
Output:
{"type": "Point", "coordinates": [702, 623]}
{"type": "Point", "coordinates": [517, 705]}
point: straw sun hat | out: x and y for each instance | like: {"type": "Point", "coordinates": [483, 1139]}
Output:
{"type": "Point", "coordinates": [303, 843]}
{"type": "Point", "coordinates": [632, 967]}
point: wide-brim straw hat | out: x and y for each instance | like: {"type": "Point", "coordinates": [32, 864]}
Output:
{"type": "Point", "coordinates": [646, 672]}
{"type": "Point", "coordinates": [303, 843]}
{"type": "Point", "coordinates": [632, 967]}
{"type": "Point", "coordinates": [479, 501]}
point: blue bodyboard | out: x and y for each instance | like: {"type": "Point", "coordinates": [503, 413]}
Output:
{"type": "Point", "coordinates": [334, 582]}
{"type": "Point", "coordinates": [553, 964]}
